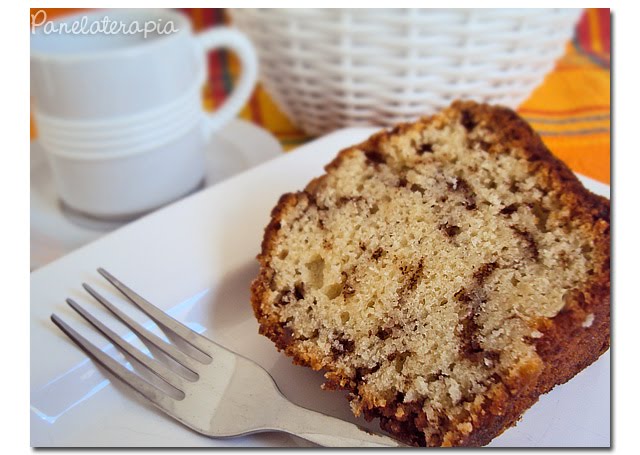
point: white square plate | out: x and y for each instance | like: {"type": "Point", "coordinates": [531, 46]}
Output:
{"type": "Point", "coordinates": [196, 259]}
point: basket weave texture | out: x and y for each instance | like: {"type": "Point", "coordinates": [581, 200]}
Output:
{"type": "Point", "coordinates": [332, 68]}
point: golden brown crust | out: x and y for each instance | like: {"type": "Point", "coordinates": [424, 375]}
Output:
{"type": "Point", "coordinates": [567, 346]}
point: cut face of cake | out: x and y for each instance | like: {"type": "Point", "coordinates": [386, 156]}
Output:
{"type": "Point", "coordinates": [446, 273]}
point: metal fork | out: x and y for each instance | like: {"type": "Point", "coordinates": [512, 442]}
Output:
{"type": "Point", "coordinates": [217, 393]}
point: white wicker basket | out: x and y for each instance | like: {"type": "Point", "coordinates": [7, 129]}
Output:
{"type": "Point", "coordinates": [329, 68]}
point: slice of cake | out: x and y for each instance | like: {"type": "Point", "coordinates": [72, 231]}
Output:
{"type": "Point", "coordinates": [447, 273]}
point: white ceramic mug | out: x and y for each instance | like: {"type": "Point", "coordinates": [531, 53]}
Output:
{"type": "Point", "coordinates": [121, 126]}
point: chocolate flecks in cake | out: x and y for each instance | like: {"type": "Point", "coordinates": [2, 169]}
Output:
{"type": "Point", "coordinates": [408, 426]}
{"type": "Point", "coordinates": [402, 182]}
{"type": "Point", "coordinates": [509, 209]}
{"type": "Point", "coordinates": [466, 119]}
{"type": "Point", "coordinates": [343, 200]}
{"type": "Point", "coordinates": [425, 148]}
{"type": "Point", "coordinates": [462, 296]}
{"type": "Point", "coordinates": [285, 337]}
{"type": "Point", "coordinates": [384, 332]}
{"type": "Point", "coordinates": [414, 274]}
{"type": "Point", "coordinates": [491, 184]}
{"type": "Point", "coordinates": [285, 298]}
{"type": "Point", "coordinates": [469, 194]}
{"type": "Point", "coordinates": [313, 201]}
{"type": "Point", "coordinates": [490, 358]}
{"type": "Point", "coordinates": [462, 186]}
{"type": "Point", "coordinates": [432, 377]}
{"type": "Point", "coordinates": [470, 346]}
{"type": "Point", "coordinates": [375, 157]}
{"type": "Point", "coordinates": [417, 188]}
{"type": "Point", "coordinates": [450, 230]}
{"type": "Point", "coordinates": [341, 346]}
{"type": "Point", "coordinates": [530, 242]}
{"type": "Point", "coordinates": [362, 246]}
{"type": "Point", "coordinates": [473, 300]}
{"type": "Point", "coordinates": [299, 291]}
{"type": "Point", "coordinates": [348, 290]}
{"type": "Point", "coordinates": [479, 143]}
{"type": "Point", "coordinates": [377, 254]}
{"type": "Point", "coordinates": [484, 272]}
{"type": "Point", "coordinates": [362, 372]}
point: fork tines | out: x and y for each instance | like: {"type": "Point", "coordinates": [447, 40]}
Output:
{"type": "Point", "coordinates": [174, 380]}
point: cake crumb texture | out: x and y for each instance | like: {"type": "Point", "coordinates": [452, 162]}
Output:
{"type": "Point", "coordinates": [446, 272]}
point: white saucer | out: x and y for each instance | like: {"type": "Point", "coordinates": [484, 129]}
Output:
{"type": "Point", "coordinates": [55, 231]}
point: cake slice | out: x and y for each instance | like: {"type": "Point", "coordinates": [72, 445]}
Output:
{"type": "Point", "coordinates": [447, 273]}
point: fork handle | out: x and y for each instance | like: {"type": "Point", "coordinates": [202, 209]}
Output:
{"type": "Point", "coordinates": [328, 431]}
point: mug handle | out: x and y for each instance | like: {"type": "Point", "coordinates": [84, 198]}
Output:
{"type": "Point", "coordinates": [226, 37]}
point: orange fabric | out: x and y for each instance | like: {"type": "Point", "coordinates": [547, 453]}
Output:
{"type": "Point", "coordinates": [570, 109]}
